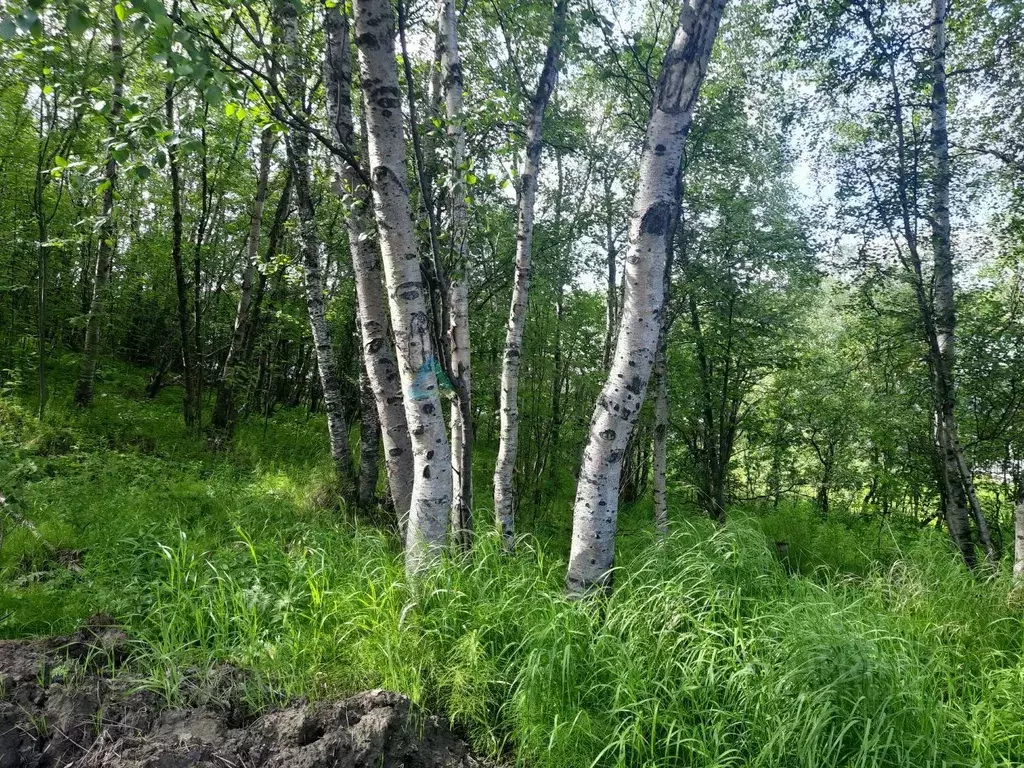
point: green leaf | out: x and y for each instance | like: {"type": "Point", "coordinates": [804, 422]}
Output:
{"type": "Point", "coordinates": [121, 12]}
{"type": "Point", "coordinates": [60, 162]}
{"type": "Point", "coordinates": [78, 21]}
{"type": "Point", "coordinates": [7, 29]}
{"type": "Point", "coordinates": [471, 179]}
{"type": "Point", "coordinates": [142, 171]}
{"type": "Point", "coordinates": [212, 94]}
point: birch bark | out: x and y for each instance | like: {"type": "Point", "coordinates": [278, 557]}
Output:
{"type": "Point", "coordinates": [432, 473]}
{"type": "Point", "coordinates": [380, 364]}
{"type": "Point", "coordinates": [528, 179]}
{"type": "Point", "coordinates": [108, 233]}
{"type": "Point", "coordinates": [458, 284]}
{"type": "Point", "coordinates": [297, 147]}
{"type": "Point", "coordinates": [595, 513]}
{"type": "Point", "coordinates": [943, 289]}
{"type": "Point", "coordinates": [369, 443]}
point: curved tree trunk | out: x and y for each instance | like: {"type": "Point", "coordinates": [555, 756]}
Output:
{"type": "Point", "coordinates": [379, 360]}
{"type": "Point", "coordinates": [225, 409]}
{"type": "Point", "coordinates": [595, 513]}
{"type": "Point", "coordinates": [432, 472]}
{"type": "Point", "coordinates": [458, 283]}
{"type": "Point", "coordinates": [297, 146]}
{"type": "Point", "coordinates": [508, 445]}
{"type": "Point", "coordinates": [108, 234]}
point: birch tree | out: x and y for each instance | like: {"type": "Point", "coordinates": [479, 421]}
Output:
{"type": "Point", "coordinates": [381, 367]}
{"type": "Point", "coordinates": [430, 506]}
{"type": "Point", "coordinates": [958, 477]}
{"type": "Point", "coordinates": [108, 231]}
{"type": "Point", "coordinates": [529, 179]}
{"type": "Point", "coordinates": [885, 179]}
{"type": "Point", "coordinates": [458, 281]}
{"type": "Point", "coordinates": [297, 144]}
{"type": "Point", "coordinates": [595, 512]}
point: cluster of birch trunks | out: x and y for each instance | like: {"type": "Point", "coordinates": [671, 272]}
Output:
{"type": "Point", "coordinates": [413, 306]}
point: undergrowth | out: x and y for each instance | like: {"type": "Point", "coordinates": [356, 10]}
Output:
{"type": "Point", "coordinates": [873, 648]}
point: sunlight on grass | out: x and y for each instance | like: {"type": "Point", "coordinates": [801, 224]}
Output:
{"type": "Point", "coordinates": [238, 581]}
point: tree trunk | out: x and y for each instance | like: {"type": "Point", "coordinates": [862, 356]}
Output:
{"type": "Point", "coordinates": [430, 506]}
{"type": "Point", "coordinates": [660, 447]}
{"type": "Point", "coordinates": [108, 234]}
{"type": "Point", "coordinates": [957, 470]}
{"type": "Point", "coordinates": [595, 513]}
{"type": "Point", "coordinates": [225, 410]}
{"type": "Point", "coordinates": [197, 263]}
{"type": "Point", "coordinates": [369, 444]}
{"type": "Point", "coordinates": [297, 147]}
{"type": "Point", "coordinates": [458, 283]}
{"type": "Point", "coordinates": [188, 355]}
{"type": "Point", "coordinates": [1018, 533]}
{"type": "Point", "coordinates": [378, 352]}
{"type": "Point", "coordinates": [508, 445]}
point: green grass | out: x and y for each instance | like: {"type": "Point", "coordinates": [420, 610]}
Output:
{"type": "Point", "coordinates": [879, 651]}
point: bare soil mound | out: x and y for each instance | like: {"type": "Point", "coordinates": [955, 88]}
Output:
{"type": "Point", "coordinates": [59, 708]}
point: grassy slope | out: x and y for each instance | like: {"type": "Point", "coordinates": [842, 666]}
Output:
{"type": "Point", "coordinates": [708, 654]}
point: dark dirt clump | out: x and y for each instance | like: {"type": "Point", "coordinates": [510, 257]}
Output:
{"type": "Point", "coordinates": [59, 707]}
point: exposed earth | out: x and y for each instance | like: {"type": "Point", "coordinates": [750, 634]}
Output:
{"type": "Point", "coordinates": [60, 706]}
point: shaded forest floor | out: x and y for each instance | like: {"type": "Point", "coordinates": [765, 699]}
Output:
{"type": "Point", "coordinates": [878, 650]}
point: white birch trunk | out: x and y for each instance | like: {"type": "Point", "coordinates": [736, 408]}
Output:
{"type": "Point", "coordinates": [508, 445]}
{"type": "Point", "coordinates": [595, 513]}
{"type": "Point", "coordinates": [374, 328]}
{"type": "Point", "coordinates": [432, 472]}
{"type": "Point", "coordinates": [297, 147]}
{"type": "Point", "coordinates": [458, 285]}
{"type": "Point", "coordinates": [943, 291]}
{"type": "Point", "coordinates": [108, 234]}
{"type": "Point", "coordinates": [369, 443]}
